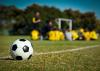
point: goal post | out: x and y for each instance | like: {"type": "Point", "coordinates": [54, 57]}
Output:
{"type": "Point", "coordinates": [69, 21]}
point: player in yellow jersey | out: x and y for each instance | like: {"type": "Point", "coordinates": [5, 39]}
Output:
{"type": "Point", "coordinates": [35, 34]}
{"type": "Point", "coordinates": [74, 35]}
{"type": "Point", "coordinates": [51, 35]}
{"type": "Point", "coordinates": [36, 21]}
{"type": "Point", "coordinates": [87, 35]}
{"type": "Point", "coordinates": [93, 35]}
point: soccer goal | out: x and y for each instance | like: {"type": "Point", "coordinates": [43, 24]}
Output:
{"type": "Point", "coordinates": [68, 21]}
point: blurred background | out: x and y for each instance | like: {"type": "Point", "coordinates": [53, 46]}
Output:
{"type": "Point", "coordinates": [16, 19]}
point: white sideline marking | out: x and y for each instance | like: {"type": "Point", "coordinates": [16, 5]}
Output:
{"type": "Point", "coordinates": [56, 52]}
{"type": "Point", "coordinates": [67, 50]}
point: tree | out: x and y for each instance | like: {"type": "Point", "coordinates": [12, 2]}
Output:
{"type": "Point", "coordinates": [19, 21]}
{"type": "Point", "coordinates": [88, 20]}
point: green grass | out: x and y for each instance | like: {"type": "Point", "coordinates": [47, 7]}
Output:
{"type": "Point", "coordinates": [82, 60]}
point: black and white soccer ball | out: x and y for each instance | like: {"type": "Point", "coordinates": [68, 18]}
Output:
{"type": "Point", "coordinates": [21, 49]}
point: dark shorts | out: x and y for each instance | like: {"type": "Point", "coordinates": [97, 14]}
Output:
{"type": "Point", "coordinates": [36, 26]}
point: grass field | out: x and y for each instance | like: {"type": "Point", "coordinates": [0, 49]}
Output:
{"type": "Point", "coordinates": [82, 60]}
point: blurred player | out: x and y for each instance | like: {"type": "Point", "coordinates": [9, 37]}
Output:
{"type": "Point", "coordinates": [35, 35]}
{"type": "Point", "coordinates": [80, 33]}
{"type": "Point", "coordinates": [93, 35]}
{"type": "Point", "coordinates": [68, 35]}
{"type": "Point", "coordinates": [48, 27]}
{"type": "Point", "coordinates": [36, 21]}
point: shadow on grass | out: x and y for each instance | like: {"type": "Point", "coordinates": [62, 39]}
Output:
{"type": "Point", "coordinates": [6, 58]}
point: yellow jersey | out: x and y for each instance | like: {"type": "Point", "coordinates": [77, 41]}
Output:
{"type": "Point", "coordinates": [35, 35]}
{"type": "Point", "coordinates": [93, 35]}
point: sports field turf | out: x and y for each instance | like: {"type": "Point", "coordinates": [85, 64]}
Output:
{"type": "Point", "coordinates": [81, 60]}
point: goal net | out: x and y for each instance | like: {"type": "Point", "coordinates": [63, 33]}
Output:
{"type": "Point", "coordinates": [68, 21]}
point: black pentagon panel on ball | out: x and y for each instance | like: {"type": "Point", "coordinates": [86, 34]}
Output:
{"type": "Point", "coordinates": [19, 58]}
{"type": "Point", "coordinates": [22, 40]}
{"type": "Point", "coordinates": [25, 48]}
{"type": "Point", "coordinates": [14, 47]}
{"type": "Point", "coordinates": [30, 56]}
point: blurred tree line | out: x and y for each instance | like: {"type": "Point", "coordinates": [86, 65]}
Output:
{"type": "Point", "coordinates": [14, 21]}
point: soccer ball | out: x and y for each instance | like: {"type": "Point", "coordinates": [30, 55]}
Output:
{"type": "Point", "coordinates": [21, 49]}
